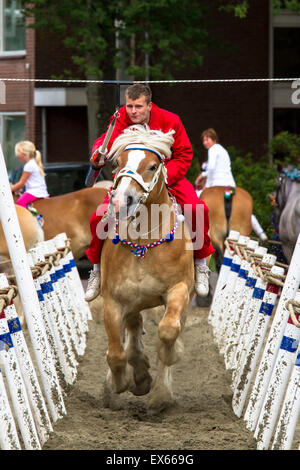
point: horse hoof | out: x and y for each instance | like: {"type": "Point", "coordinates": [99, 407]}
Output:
{"type": "Point", "coordinates": [157, 406]}
{"type": "Point", "coordinates": [142, 385]}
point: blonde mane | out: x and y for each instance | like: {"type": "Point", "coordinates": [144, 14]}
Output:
{"type": "Point", "coordinates": [141, 134]}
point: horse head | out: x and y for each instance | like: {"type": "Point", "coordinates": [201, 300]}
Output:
{"type": "Point", "coordinates": [140, 177]}
{"type": "Point", "coordinates": [288, 201]}
{"type": "Point", "coordinates": [283, 185]}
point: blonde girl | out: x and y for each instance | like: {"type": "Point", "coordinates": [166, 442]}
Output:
{"type": "Point", "coordinates": [33, 176]}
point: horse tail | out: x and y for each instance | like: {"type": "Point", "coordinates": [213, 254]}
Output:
{"type": "Point", "coordinates": [228, 195]}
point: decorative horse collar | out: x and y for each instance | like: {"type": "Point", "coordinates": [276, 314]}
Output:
{"type": "Point", "coordinates": [141, 250]}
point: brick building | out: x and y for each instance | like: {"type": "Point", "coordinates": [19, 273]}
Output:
{"type": "Point", "coordinates": [245, 115]}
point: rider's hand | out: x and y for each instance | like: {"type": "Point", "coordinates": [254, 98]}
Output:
{"type": "Point", "coordinates": [98, 159]}
{"type": "Point", "coordinates": [199, 180]}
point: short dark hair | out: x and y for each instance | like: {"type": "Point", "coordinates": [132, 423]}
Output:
{"type": "Point", "coordinates": [135, 91]}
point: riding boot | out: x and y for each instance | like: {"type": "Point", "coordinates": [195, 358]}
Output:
{"type": "Point", "coordinates": [93, 286]}
{"type": "Point", "coordinates": [202, 279]}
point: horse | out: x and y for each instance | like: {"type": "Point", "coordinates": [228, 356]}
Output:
{"type": "Point", "coordinates": [70, 213]}
{"type": "Point", "coordinates": [143, 272]}
{"type": "Point", "coordinates": [288, 201]}
{"type": "Point", "coordinates": [227, 212]}
{"type": "Point", "coordinates": [31, 231]}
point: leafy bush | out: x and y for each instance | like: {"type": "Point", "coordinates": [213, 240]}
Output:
{"type": "Point", "coordinates": [258, 178]}
{"type": "Point", "coordinates": [194, 169]}
{"type": "Point", "coordinates": [285, 148]}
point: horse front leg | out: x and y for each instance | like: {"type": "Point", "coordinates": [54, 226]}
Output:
{"type": "Point", "coordinates": [172, 324]}
{"type": "Point", "coordinates": [116, 355]}
{"type": "Point", "coordinates": [170, 346]}
{"type": "Point", "coordinates": [136, 357]}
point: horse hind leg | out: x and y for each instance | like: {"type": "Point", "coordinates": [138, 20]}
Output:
{"type": "Point", "coordinates": [170, 346]}
{"type": "Point", "coordinates": [136, 358]}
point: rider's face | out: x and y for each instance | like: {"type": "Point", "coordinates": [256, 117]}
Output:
{"type": "Point", "coordinates": [138, 110]}
{"type": "Point", "coordinates": [208, 142]}
{"type": "Point", "coordinates": [22, 157]}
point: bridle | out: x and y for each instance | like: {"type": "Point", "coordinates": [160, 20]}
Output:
{"type": "Point", "coordinates": [147, 186]}
{"type": "Point", "coordinates": [137, 249]}
{"type": "Point", "coordinates": [283, 188]}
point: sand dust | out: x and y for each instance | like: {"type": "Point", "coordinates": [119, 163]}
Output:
{"type": "Point", "coordinates": [201, 417]}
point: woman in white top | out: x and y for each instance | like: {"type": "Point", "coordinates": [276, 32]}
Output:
{"type": "Point", "coordinates": [218, 171]}
{"type": "Point", "coordinates": [33, 176]}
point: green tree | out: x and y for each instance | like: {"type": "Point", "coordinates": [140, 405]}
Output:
{"type": "Point", "coordinates": [147, 39]}
{"type": "Point", "coordinates": [281, 5]}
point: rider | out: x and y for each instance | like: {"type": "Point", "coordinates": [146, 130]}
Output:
{"type": "Point", "coordinates": [140, 110]}
{"type": "Point", "coordinates": [33, 176]}
{"type": "Point", "coordinates": [218, 171]}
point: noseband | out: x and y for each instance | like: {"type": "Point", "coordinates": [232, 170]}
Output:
{"type": "Point", "coordinates": [147, 187]}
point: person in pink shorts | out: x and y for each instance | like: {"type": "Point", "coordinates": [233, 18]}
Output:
{"type": "Point", "coordinates": [33, 176]}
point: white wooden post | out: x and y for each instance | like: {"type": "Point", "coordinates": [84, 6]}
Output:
{"type": "Point", "coordinates": [224, 271]}
{"type": "Point", "coordinates": [278, 383]}
{"type": "Point", "coordinates": [35, 395]}
{"type": "Point", "coordinates": [9, 439]}
{"type": "Point", "coordinates": [287, 423]}
{"type": "Point", "coordinates": [271, 349]}
{"type": "Point", "coordinates": [220, 328]}
{"type": "Point", "coordinates": [55, 318]}
{"type": "Point", "coordinates": [16, 386]}
{"type": "Point", "coordinates": [28, 295]}
{"type": "Point", "coordinates": [254, 344]}
{"type": "Point", "coordinates": [238, 294]}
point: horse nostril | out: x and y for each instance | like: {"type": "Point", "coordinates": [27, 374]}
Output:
{"type": "Point", "coordinates": [129, 200]}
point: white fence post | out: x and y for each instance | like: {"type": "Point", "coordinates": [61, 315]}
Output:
{"type": "Point", "coordinates": [271, 349]}
{"type": "Point", "coordinates": [278, 382]}
{"type": "Point", "coordinates": [61, 241]}
{"type": "Point", "coordinates": [55, 317]}
{"type": "Point", "coordinates": [36, 399]}
{"type": "Point", "coordinates": [220, 327]}
{"type": "Point", "coordinates": [18, 394]}
{"type": "Point", "coordinates": [9, 439]}
{"type": "Point", "coordinates": [28, 295]}
{"type": "Point", "coordinates": [221, 282]}
{"type": "Point", "coordinates": [253, 344]}
{"type": "Point", "coordinates": [233, 307]}
{"type": "Point", "coordinates": [286, 426]}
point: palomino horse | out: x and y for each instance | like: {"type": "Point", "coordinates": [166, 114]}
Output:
{"type": "Point", "coordinates": [70, 213]}
{"type": "Point", "coordinates": [221, 221]}
{"type": "Point", "coordinates": [288, 200]}
{"type": "Point", "coordinates": [143, 272]}
{"type": "Point", "coordinates": [31, 231]}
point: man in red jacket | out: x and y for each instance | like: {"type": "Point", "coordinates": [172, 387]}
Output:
{"type": "Point", "coordinates": [140, 110]}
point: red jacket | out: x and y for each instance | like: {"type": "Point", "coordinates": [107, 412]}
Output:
{"type": "Point", "coordinates": [160, 119]}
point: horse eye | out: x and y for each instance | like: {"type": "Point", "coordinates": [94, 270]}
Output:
{"type": "Point", "coordinates": [152, 168]}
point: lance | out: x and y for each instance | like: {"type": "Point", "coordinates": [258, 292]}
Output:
{"type": "Point", "coordinates": [94, 171]}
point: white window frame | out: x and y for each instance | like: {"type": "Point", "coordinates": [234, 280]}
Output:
{"type": "Point", "coordinates": [9, 113]}
{"type": "Point", "coordinates": [7, 54]}
{"type": "Point", "coordinates": [279, 93]}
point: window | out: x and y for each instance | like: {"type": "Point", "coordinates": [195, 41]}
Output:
{"type": "Point", "coordinates": [286, 64]}
{"type": "Point", "coordinates": [287, 119]}
{"type": "Point", "coordinates": [12, 130]}
{"type": "Point", "coordinates": [286, 52]}
{"type": "Point", "coordinates": [12, 27]}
